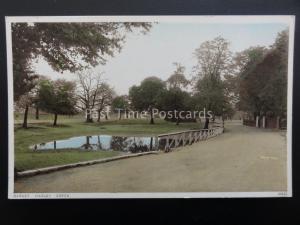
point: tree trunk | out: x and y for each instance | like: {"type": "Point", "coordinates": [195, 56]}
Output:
{"type": "Point", "coordinates": [151, 115]}
{"type": "Point", "coordinates": [223, 121]}
{"type": "Point", "coordinates": [206, 123]}
{"type": "Point", "coordinates": [106, 118]}
{"type": "Point", "coordinates": [177, 121]}
{"type": "Point", "coordinates": [99, 116]}
{"type": "Point", "coordinates": [55, 120]}
{"type": "Point", "coordinates": [37, 113]}
{"type": "Point", "coordinates": [89, 118]}
{"type": "Point", "coordinates": [25, 117]}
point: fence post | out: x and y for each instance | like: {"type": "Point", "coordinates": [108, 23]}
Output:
{"type": "Point", "coordinates": [264, 122]}
{"type": "Point", "coordinates": [257, 125]}
{"type": "Point", "coordinates": [156, 143]}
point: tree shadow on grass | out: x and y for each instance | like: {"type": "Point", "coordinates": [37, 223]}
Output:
{"type": "Point", "coordinates": [16, 128]}
{"type": "Point", "coordinates": [58, 125]}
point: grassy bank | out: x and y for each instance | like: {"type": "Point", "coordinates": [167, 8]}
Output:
{"type": "Point", "coordinates": [42, 131]}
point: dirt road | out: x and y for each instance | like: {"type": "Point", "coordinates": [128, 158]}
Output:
{"type": "Point", "coordinates": [242, 159]}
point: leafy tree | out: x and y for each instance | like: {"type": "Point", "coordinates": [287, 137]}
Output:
{"type": "Point", "coordinates": [177, 79]}
{"type": "Point", "coordinates": [23, 53]}
{"type": "Point", "coordinates": [120, 104]}
{"type": "Point", "coordinates": [146, 95]}
{"type": "Point", "coordinates": [23, 103]}
{"type": "Point", "coordinates": [242, 63]}
{"type": "Point", "coordinates": [57, 97]}
{"type": "Point", "coordinates": [263, 85]}
{"type": "Point", "coordinates": [214, 63]}
{"type": "Point", "coordinates": [213, 58]}
{"type": "Point", "coordinates": [211, 94]}
{"type": "Point", "coordinates": [30, 99]}
{"type": "Point", "coordinates": [174, 98]}
{"type": "Point", "coordinates": [65, 46]}
{"type": "Point", "coordinates": [34, 92]}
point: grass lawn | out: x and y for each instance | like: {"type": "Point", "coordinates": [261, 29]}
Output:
{"type": "Point", "coordinates": [42, 131]}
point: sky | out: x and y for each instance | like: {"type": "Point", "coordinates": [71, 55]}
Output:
{"type": "Point", "coordinates": [153, 54]}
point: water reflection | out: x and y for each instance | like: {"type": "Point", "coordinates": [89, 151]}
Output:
{"type": "Point", "coordinates": [102, 142]}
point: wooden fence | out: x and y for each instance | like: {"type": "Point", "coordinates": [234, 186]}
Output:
{"type": "Point", "coordinates": [173, 140]}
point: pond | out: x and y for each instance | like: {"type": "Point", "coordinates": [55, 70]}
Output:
{"type": "Point", "coordinates": [101, 142]}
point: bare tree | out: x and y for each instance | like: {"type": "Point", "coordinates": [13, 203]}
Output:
{"type": "Point", "coordinates": [89, 88]}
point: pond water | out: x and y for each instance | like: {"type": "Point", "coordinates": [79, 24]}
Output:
{"type": "Point", "coordinates": [102, 142]}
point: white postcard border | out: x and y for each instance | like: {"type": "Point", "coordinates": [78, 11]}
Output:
{"type": "Point", "coordinates": [249, 19]}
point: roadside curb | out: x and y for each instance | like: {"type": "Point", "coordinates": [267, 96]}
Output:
{"type": "Point", "coordinates": [44, 170]}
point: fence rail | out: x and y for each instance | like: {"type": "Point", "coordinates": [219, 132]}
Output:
{"type": "Point", "coordinates": [169, 141]}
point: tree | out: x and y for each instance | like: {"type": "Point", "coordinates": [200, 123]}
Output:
{"type": "Point", "coordinates": [30, 98]}
{"type": "Point", "coordinates": [213, 58]}
{"type": "Point", "coordinates": [65, 46]}
{"type": "Point", "coordinates": [146, 95]}
{"type": "Point", "coordinates": [213, 64]}
{"type": "Point", "coordinates": [249, 80]}
{"type": "Point", "coordinates": [104, 99]}
{"type": "Point", "coordinates": [23, 103]}
{"type": "Point", "coordinates": [177, 79]}
{"type": "Point", "coordinates": [89, 88]}
{"type": "Point", "coordinates": [210, 94]}
{"type": "Point", "coordinates": [57, 97]}
{"type": "Point", "coordinates": [23, 52]}
{"type": "Point", "coordinates": [120, 103]}
{"type": "Point", "coordinates": [263, 84]}
{"type": "Point", "coordinates": [34, 92]}
{"type": "Point", "coordinates": [173, 101]}
{"type": "Point", "coordinates": [174, 98]}
{"type": "Point", "coordinates": [135, 98]}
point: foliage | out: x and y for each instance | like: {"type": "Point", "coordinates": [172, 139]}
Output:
{"type": "Point", "coordinates": [242, 63]}
{"type": "Point", "coordinates": [120, 102]}
{"type": "Point", "coordinates": [214, 63]}
{"type": "Point", "coordinates": [213, 58]}
{"type": "Point", "coordinates": [263, 85]}
{"type": "Point", "coordinates": [211, 95]}
{"type": "Point", "coordinates": [177, 79]}
{"type": "Point", "coordinates": [57, 97]}
{"type": "Point", "coordinates": [174, 97]}
{"type": "Point", "coordinates": [65, 46]}
{"type": "Point", "coordinates": [146, 95]}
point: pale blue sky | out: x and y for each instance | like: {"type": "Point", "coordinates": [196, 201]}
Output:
{"type": "Point", "coordinates": [153, 54]}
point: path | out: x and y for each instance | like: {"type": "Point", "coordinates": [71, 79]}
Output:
{"type": "Point", "coordinates": [242, 159]}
